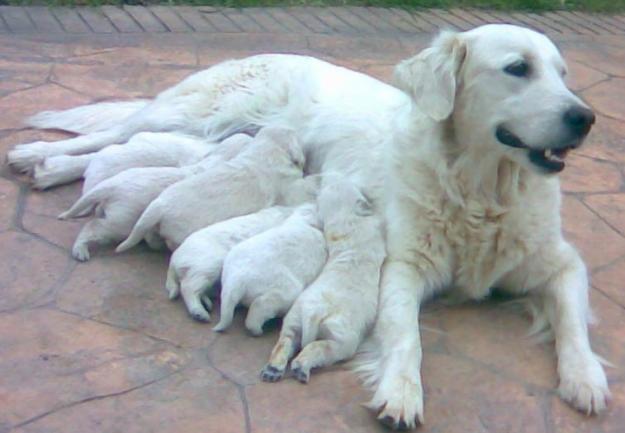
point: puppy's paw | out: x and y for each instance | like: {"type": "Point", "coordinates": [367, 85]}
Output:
{"type": "Point", "coordinates": [200, 314]}
{"type": "Point", "coordinates": [25, 156]}
{"type": "Point", "coordinates": [583, 384]}
{"type": "Point", "coordinates": [399, 405]}
{"type": "Point", "coordinates": [270, 373]}
{"type": "Point", "coordinates": [299, 373]}
{"type": "Point", "coordinates": [46, 174]}
{"type": "Point", "coordinates": [81, 252]}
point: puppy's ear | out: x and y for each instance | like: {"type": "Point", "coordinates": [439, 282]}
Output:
{"type": "Point", "coordinates": [364, 207]}
{"type": "Point", "coordinates": [430, 77]}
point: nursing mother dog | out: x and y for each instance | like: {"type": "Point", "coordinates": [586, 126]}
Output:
{"type": "Point", "coordinates": [461, 158]}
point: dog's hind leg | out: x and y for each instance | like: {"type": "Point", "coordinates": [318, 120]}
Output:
{"type": "Point", "coordinates": [192, 288]}
{"type": "Point", "coordinates": [265, 307]}
{"type": "Point", "coordinates": [61, 169]}
{"type": "Point", "coordinates": [154, 117]}
{"type": "Point", "coordinates": [321, 353]}
{"type": "Point", "coordinates": [96, 231]}
{"type": "Point", "coordinates": [285, 348]}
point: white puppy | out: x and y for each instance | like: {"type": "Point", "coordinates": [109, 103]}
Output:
{"type": "Point", "coordinates": [267, 272]}
{"type": "Point", "coordinates": [120, 200]}
{"type": "Point", "coordinates": [332, 316]}
{"type": "Point", "coordinates": [257, 178]}
{"type": "Point", "coordinates": [196, 264]}
{"type": "Point", "coordinates": [146, 149]}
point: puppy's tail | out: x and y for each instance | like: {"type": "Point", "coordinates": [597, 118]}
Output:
{"type": "Point", "coordinates": [149, 218]}
{"type": "Point", "coordinates": [231, 295]}
{"type": "Point", "coordinates": [172, 284]}
{"type": "Point", "coordinates": [85, 204]}
{"type": "Point", "coordinates": [87, 118]}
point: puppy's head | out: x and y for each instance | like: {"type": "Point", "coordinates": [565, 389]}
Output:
{"type": "Point", "coordinates": [503, 89]}
{"type": "Point", "coordinates": [341, 198]}
{"type": "Point", "coordinates": [286, 141]}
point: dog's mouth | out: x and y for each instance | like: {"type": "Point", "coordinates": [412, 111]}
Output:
{"type": "Point", "coordinates": [549, 160]}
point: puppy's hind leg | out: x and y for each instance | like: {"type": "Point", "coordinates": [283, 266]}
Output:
{"type": "Point", "coordinates": [284, 349]}
{"type": "Point", "coordinates": [61, 169]}
{"type": "Point", "coordinates": [192, 288]}
{"type": "Point", "coordinates": [95, 230]}
{"type": "Point", "coordinates": [321, 353]}
{"type": "Point", "coordinates": [265, 307]}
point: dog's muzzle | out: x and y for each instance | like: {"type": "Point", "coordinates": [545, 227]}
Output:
{"type": "Point", "coordinates": [577, 120]}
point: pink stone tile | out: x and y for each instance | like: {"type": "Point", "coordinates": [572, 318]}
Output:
{"type": "Point", "coordinates": [606, 141]}
{"type": "Point", "coordinates": [8, 203]}
{"type": "Point", "coordinates": [192, 400]}
{"type": "Point", "coordinates": [588, 175]}
{"type": "Point", "coordinates": [496, 336]}
{"type": "Point", "coordinates": [611, 207]}
{"type": "Point", "coordinates": [19, 105]}
{"type": "Point", "coordinates": [608, 98]}
{"type": "Point", "coordinates": [29, 270]}
{"type": "Point", "coordinates": [129, 291]}
{"type": "Point", "coordinates": [114, 81]}
{"type": "Point", "coordinates": [581, 76]}
{"type": "Point", "coordinates": [328, 403]}
{"type": "Point", "coordinates": [598, 243]}
{"type": "Point", "coordinates": [51, 360]}
{"type": "Point", "coordinates": [146, 53]}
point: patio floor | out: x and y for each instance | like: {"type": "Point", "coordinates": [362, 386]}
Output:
{"type": "Point", "coordinates": [97, 347]}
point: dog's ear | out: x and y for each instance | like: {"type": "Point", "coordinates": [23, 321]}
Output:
{"type": "Point", "coordinates": [430, 77]}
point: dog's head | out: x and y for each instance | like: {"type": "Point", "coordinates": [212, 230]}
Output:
{"type": "Point", "coordinates": [503, 89]}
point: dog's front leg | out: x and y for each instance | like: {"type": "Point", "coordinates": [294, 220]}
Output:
{"type": "Point", "coordinates": [582, 380]}
{"type": "Point", "coordinates": [398, 398]}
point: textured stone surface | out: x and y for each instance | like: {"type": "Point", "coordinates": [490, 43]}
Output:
{"type": "Point", "coordinates": [99, 347]}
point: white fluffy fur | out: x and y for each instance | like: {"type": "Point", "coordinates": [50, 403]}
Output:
{"type": "Point", "coordinates": [197, 263]}
{"type": "Point", "coordinates": [120, 200]}
{"type": "Point", "coordinates": [463, 210]}
{"type": "Point", "coordinates": [330, 319]}
{"type": "Point", "coordinates": [254, 179]}
{"type": "Point", "coordinates": [267, 272]}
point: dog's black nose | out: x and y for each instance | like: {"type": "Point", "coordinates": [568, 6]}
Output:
{"type": "Point", "coordinates": [579, 120]}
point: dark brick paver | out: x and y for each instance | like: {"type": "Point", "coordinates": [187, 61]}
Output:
{"type": "Point", "coordinates": [303, 20]}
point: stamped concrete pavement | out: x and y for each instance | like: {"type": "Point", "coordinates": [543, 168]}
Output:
{"type": "Point", "coordinates": [98, 347]}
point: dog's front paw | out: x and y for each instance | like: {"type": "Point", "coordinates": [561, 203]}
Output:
{"type": "Point", "coordinates": [583, 384]}
{"type": "Point", "coordinates": [399, 405]}
{"type": "Point", "coordinates": [200, 314]}
{"type": "Point", "coordinates": [25, 156]}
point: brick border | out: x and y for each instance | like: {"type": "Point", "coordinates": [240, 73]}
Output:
{"type": "Point", "coordinates": [304, 20]}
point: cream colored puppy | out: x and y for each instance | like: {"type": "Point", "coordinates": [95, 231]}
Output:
{"type": "Point", "coordinates": [146, 149]}
{"type": "Point", "coordinates": [332, 316]}
{"type": "Point", "coordinates": [196, 265]}
{"type": "Point", "coordinates": [267, 272]}
{"type": "Point", "coordinates": [120, 200]}
{"type": "Point", "coordinates": [257, 178]}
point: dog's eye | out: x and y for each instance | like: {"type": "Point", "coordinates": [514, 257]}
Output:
{"type": "Point", "coordinates": [519, 69]}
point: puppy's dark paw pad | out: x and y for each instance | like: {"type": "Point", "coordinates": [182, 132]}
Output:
{"type": "Point", "coordinates": [271, 374]}
{"type": "Point", "coordinates": [200, 316]}
{"type": "Point", "coordinates": [301, 375]}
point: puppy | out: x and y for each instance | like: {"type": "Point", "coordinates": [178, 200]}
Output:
{"type": "Point", "coordinates": [267, 272]}
{"type": "Point", "coordinates": [257, 178]}
{"type": "Point", "coordinates": [332, 316]}
{"type": "Point", "coordinates": [146, 149]}
{"type": "Point", "coordinates": [196, 265]}
{"type": "Point", "coordinates": [120, 200]}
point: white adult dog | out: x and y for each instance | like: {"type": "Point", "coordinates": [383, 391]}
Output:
{"type": "Point", "coordinates": [465, 156]}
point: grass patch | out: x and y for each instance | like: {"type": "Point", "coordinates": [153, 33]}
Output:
{"type": "Point", "coordinates": [518, 5]}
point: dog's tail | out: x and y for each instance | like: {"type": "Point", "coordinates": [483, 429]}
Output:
{"type": "Point", "coordinates": [231, 294]}
{"type": "Point", "coordinates": [149, 218]}
{"type": "Point", "coordinates": [87, 118]}
{"type": "Point", "coordinates": [85, 204]}
{"type": "Point", "coordinates": [172, 283]}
